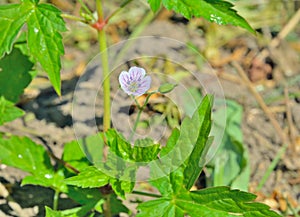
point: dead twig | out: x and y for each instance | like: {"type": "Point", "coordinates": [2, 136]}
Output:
{"type": "Point", "coordinates": [281, 35]}
{"type": "Point", "coordinates": [261, 102]}
{"type": "Point", "coordinates": [291, 126]}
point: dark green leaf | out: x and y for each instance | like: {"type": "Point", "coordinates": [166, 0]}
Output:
{"type": "Point", "coordinates": [85, 196]}
{"type": "Point", "coordinates": [89, 177]}
{"type": "Point", "coordinates": [44, 39]}
{"type": "Point", "coordinates": [116, 205]}
{"type": "Point", "coordinates": [8, 111]}
{"type": "Point", "coordinates": [217, 11]}
{"type": "Point", "coordinates": [154, 4]}
{"type": "Point", "coordinates": [14, 77]}
{"type": "Point", "coordinates": [218, 201]}
{"type": "Point", "coordinates": [12, 18]}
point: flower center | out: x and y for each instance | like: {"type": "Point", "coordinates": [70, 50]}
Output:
{"type": "Point", "coordinates": [133, 86]}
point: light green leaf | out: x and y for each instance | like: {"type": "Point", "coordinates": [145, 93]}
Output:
{"type": "Point", "coordinates": [14, 78]}
{"type": "Point", "coordinates": [23, 153]}
{"type": "Point", "coordinates": [8, 111]}
{"type": "Point", "coordinates": [218, 201]}
{"type": "Point", "coordinates": [74, 212]}
{"type": "Point", "coordinates": [166, 88]}
{"type": "Point", "coordinates": [154, 4]}
{"type": "Point", "coordinates": [74, 155]}
{"type": "Point", "coordinates": [54, 180]}
{"type": "Point", "coordinates": [230, 166]}
{"type": "Point", "coordinates": [89, 177]}
{"type": "Point", "coordinates": [218, 11]}
{"type": "Point", "coordinates": [12, 18]}
{"type": "Point", "coordinates": [44, 39]}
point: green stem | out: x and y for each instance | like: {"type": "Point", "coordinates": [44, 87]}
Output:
{"type": "Point", "coordinates": [146, 194]}
{"type": "Point", "coordinates": [71, 17]}
{"type": "Point", "coordinates": [272, 167]}
{"type": "Point", "coordinates": [105, 69]}
{"type": "Point", "coordinates": [55, 199]}
{"type": "Point", "coordinates": [87, 10]}
{"type": "Point", "coordinates": [136, 123]}
{"type": "Point", "coordinates": [106, 86]}
{"type": "Point", "coordinates": [139, 113]}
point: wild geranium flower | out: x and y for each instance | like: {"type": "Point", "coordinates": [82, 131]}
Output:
{"type": "Point", "coordinates": [135, 82]}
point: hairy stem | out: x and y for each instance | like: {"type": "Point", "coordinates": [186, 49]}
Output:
{"type": "Point", "coordinates": [106, 85]}
{"type": "Point", "coordinates": [105, 68]}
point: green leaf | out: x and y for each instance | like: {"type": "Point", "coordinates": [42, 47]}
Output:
{"type": "Point", "coordinates": [89, 177]}
{"type": "Point", "coordinates": [230, 166]}
{"type": "Point", "coordinates": [121, 187]}
{"type": "Point", "coordinates": [92, 146]}
{"type": "Point", "coordinates": [194, 164]}
{"type": "Point", "coordinates": [116, 205]}
{"type": "Point", "coordinates": [54, 180]}
{"type": "Point", "coordinates": [44, 24]}
{"type": "Point", "coordinates": [171, 142]}
{"type": "Point", "coordinates": [74, 212]}
{"type": "Point", "coordinates": [166, 88]}
{"type": "Point", "coordinates": [44, 39]}
{"type": "Point", "coordinates": [144, 150]}
{"type": "Point", "coordinates": [74, 155]}
{"type": "Point", "coordinates": [154, 4]}
{"type": "Point", "coordinates": [12, 18]}
{"type": "Point", "coordinates": [90, 198]}
{"type": "Point", "coordinates": [118, 145]}
{"type": "Point", "coordinates": [22, 153]}
{"type": "Point", "coordinates": [8, 111]}
{"type": "Point", "coordinates": [218, 11]}
{"type": "Point", "coordinates": [189, 146]}
{"type": "Point", "coordinates": [218, 201]}
{"type": "Point", "coordinates": [14, 78]}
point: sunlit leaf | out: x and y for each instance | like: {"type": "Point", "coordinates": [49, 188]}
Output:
{"type": "Point", "coordinates": [218, 11]}
{"type": "Point", "coordinates": [12, 18]}
{"type": "Point", "coordinates": [89, 177]}
{"type": "Point", "coordinates": [44, 39]}
{"type": "Point", "coordinates": [154, 4]}
{"type": "Point", "coordinates": [23, 153]}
